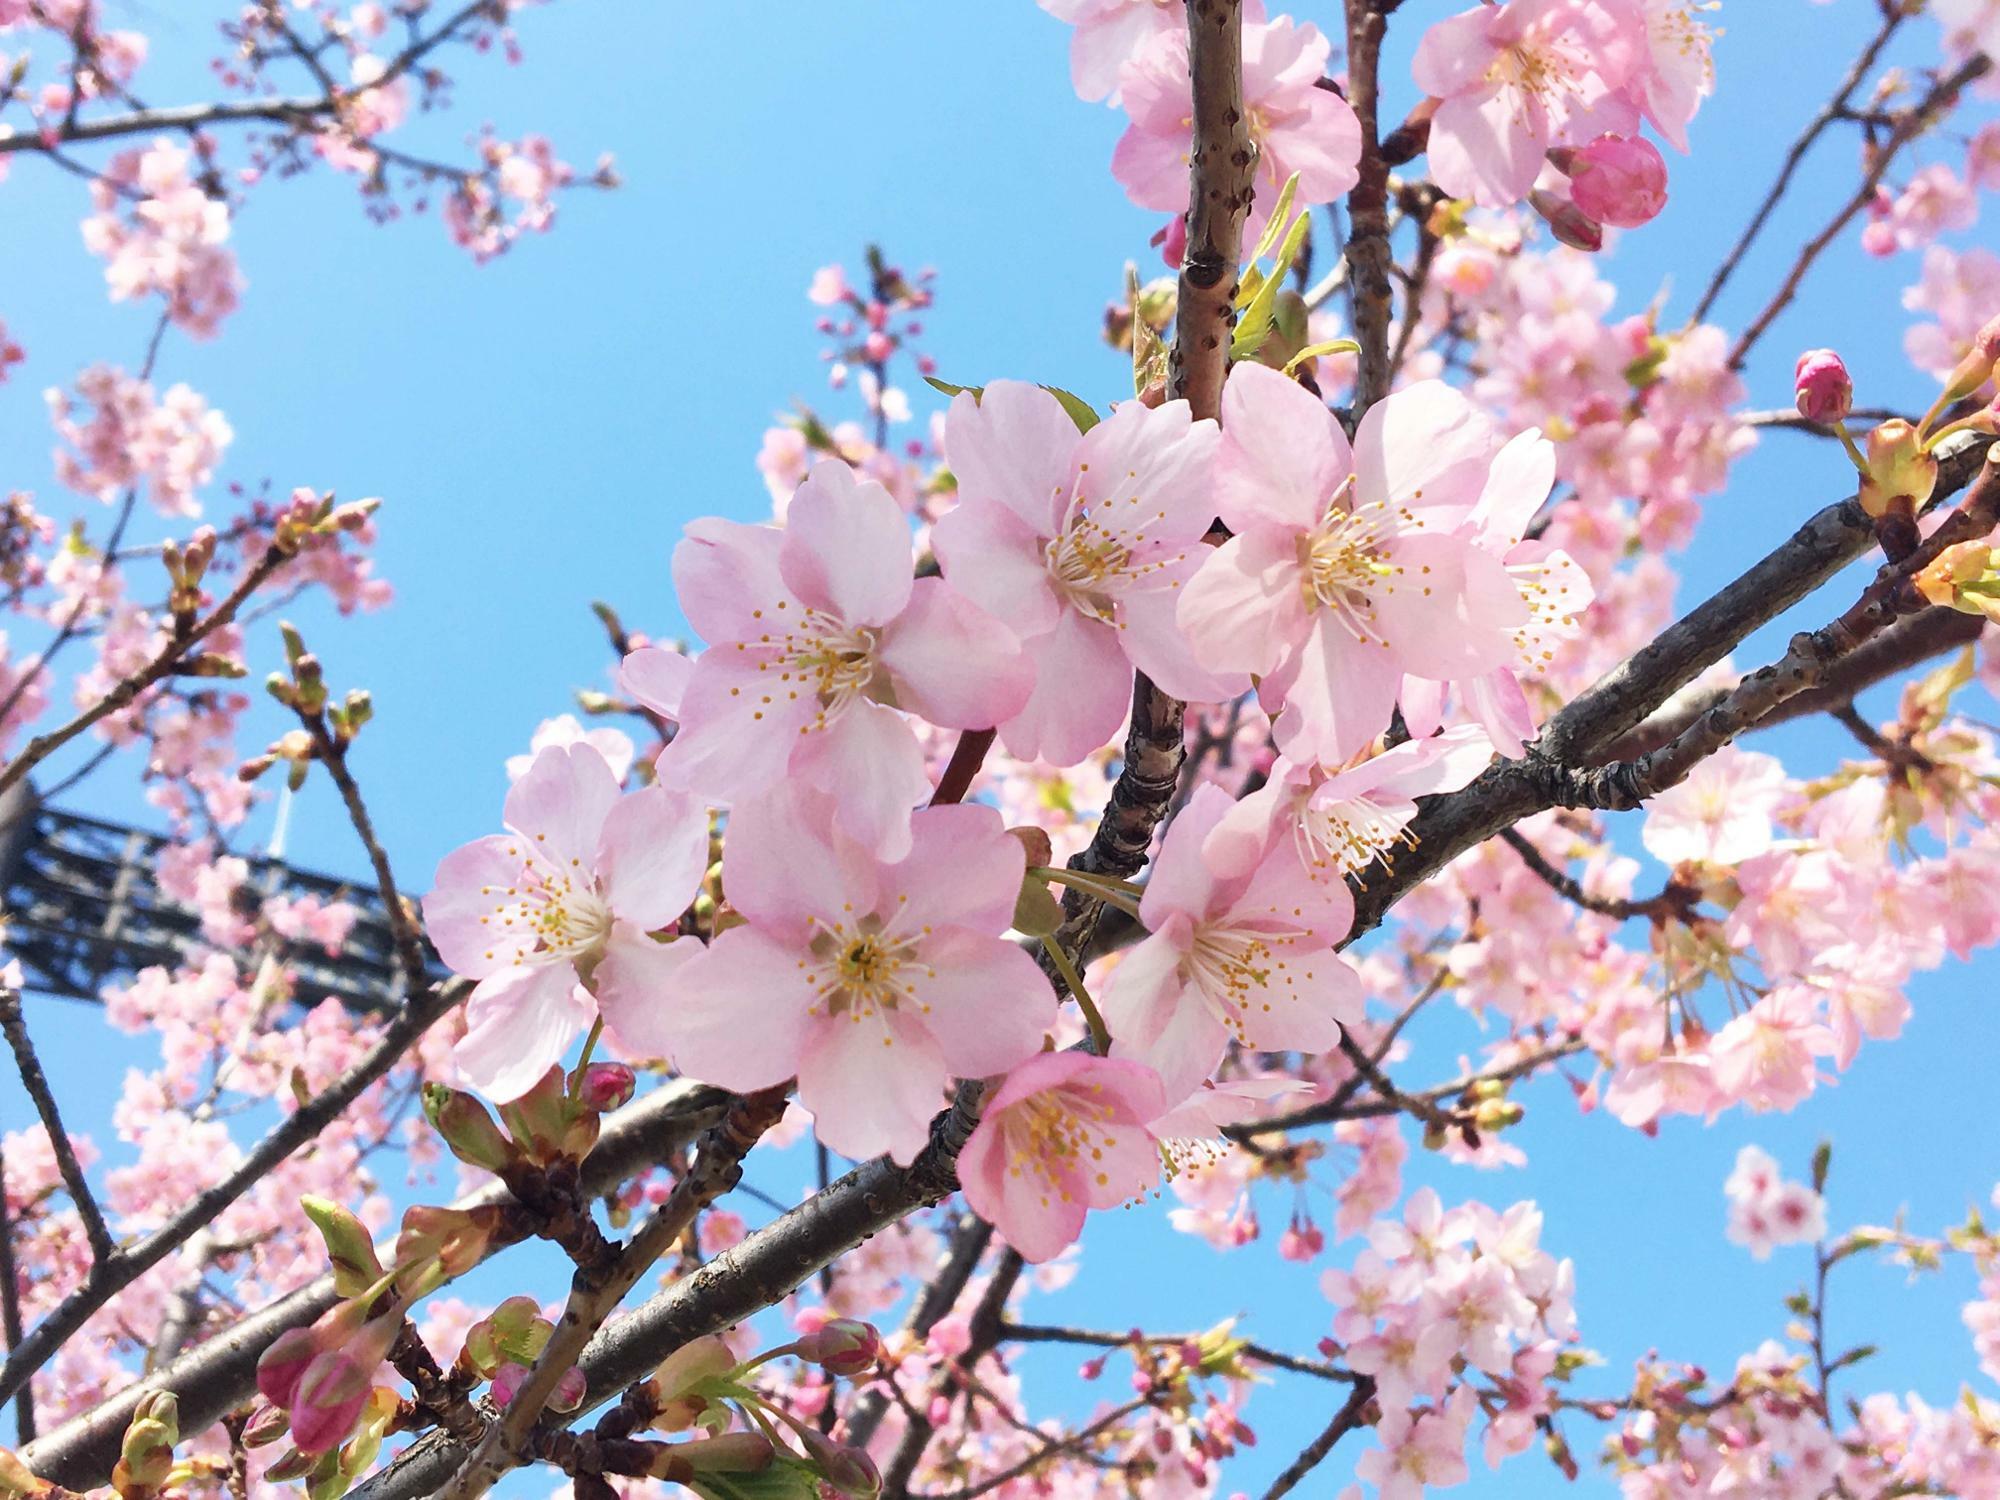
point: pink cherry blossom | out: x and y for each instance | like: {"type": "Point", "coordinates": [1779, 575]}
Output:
{"type": "Point", "coordinates": [1297, 126]}
{"type": "Point", "coordinates": [1764, 1057]}
{"type": "Point", "coordinates": [1675, 70]}
{"type": "Point", "coordinates": [1078, 543]}
{"type": "Point", "coordinates": [818, 639]}
{"type": "Point", "coordinates": [559, 909]}
{"type": "Point", "coordinates": [1065, 1133]}
{"type": "Point", "coordinates": [1341, 822]}
{"type": "Point", "coordinates": [1766, 1211]}
{"type": "Point", "coordinates": [873, 981]}
{"type": "Point", "coordinates": [1110, 33]}
{"type": "Point", "coordinates": [1349, 567]}
{"type": "Point", "coordinates": [1516, 79]}
{"type": "Point", "coordinates": [1721, 814]}
{"type": "Point", "coordinates": [1244, 957]}
{"type": "Point", "coordinates": [613, 744]}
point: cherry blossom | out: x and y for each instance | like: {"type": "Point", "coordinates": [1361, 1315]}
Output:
{"type": "Point", "coordinates": [1079, 543]}
{"type": "Point", "coordinates": [1065, 1133]}
{"type": "Point", "coordinates": [1297, 126]}
{"type": "Point", "coordinates": [817, 639]}
{"type": "Point", "coordinates": [558, 911]}
{"type": "Point", "coordinates": [1243, 957]}
{"type": "Point", "coordinates": [1515, 79]}
{"type": "Point", "coordinates": [1349, 567]}
{"type": "Point", "coordinates": [845, 957]}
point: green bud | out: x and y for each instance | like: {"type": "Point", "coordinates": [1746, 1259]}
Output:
{"type": "Point", "coordinates": [348, 1245]}
{"type": "Point", "coordinates": [468, 1130]}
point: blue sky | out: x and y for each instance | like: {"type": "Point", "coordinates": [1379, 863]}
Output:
{"type": "Point", "coordinates": [542, 428]}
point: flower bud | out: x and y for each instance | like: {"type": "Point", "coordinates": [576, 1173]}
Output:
{"type": "Point", "coordinates": [726, 1453]}
{"type": "Point", "coordinates": [468, 1130]}
{"type": "Point", "coordinates": [605, 1086]}
{"type": "Point", "coordinates": [1976, 368]}
{"type": "Point", "coordinates": [1822, 387]}
{"type": "Point", "coordinates": [844, 1470]}
{"type": "Point", "coordinates": [540, 1119]}
{"type": "Point", "coordinates": [334, 1391]}
{"type": "Point", "coordinates": [1962, 577]}
{"type": "Point", "coordinates": [146, 1455]}
{"type": "Point", "coordinates": [1898, 470]}
{"type": "Point", "coordinates": [265, 1425]}
{"type": "Point", "coordinates": [1615, 180]}
{"type": "Point", "coordinates": [842, 1346]}
{"type": "Point", "coordinates": [1569, 224]}
{"type": "Point", "coordinates": [454, 1240]}
{"type": "Point", "coordinates": [291, 1464]}
{"type": "Point", "coordinates": [348, 1245]}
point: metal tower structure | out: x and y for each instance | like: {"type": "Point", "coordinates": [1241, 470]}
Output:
{"type": "Point", "coordinates": [82, 906]}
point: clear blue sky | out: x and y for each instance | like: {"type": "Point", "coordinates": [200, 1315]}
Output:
{"type": "Point", "coordinates": [543, 427]}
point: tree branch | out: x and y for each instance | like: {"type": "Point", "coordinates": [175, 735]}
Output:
{"type": "Point", "coordinates": [1344, 1421]}
{"type": "Point", "coordinates": [222, 1372]}
{"type": "Point", "coordinates": [36, 1082]}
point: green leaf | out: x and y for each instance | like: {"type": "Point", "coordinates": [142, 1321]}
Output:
{"type": "Point", "coordinates": [1822, 1163]}
{"type": "Point", "coordinates": [1261, 315]}
{"type": "Point", "coordinates": [1149, 350]}
{"type": "Point", "coordinates": [1079, 409]}
{"type": "Point", "coordinates": [1853, 1356]}
{"type": "Point", "coordinates": [1275, 226]}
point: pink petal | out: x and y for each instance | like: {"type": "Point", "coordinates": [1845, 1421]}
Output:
{"type": "Point", "coordinates": [953, 663]}
{"type": "Point", "coordinates": [1014, 445]}
{"type": "Point", "coordinates": [1182, 883]}
{"type": "Point", "coordinates": [1159, 1019]}
{"type": "Point", "coordinates": [873, 1082]}
{"type": "Point", "coordinates": [740, 1019]}
{"type": "Point", "coordinates": [986, 1003]}
{"type": "Point", "coordinates": [1245, 607]}
{"type": "Point", "coordinates": [995, 559]}
{"type": "Point", "coordinates": [472, 914]}
{"type": "Point", "coordinates": [962, 868]}
{"type": "Point", "coordinates": [1425, 447]}
{"type": "Point", "coordinates": [656, 677]}
{"type": "Point", "coordinates": [1156, 644]}
{"type": "Point", "coordinates": [652, 855]}
{"type": "Point", "coordinates": [560, 805]}
{"type": "Point", "coordinates": [869, 761]}
{"type": "Point", "coordinates": [847, 547]}
{"type": "Point", "coordinates": [639, 985]}
{"type": "Point", "coordinates": [1151, 468]}
{"type": "Point", "coordinates": [724, 572]}
{"type": "Point", "coordinates": [1338, 694]}
{"type": "Point", "coordinates": [737, 736]}
{"type": "Point", "coordinates": [1283, 455]}
{"type": "Point", "coordinates": [519, 1023]}
{"type": "Point", "coordinates": [784, 864]}
{"type": "Point", "coordinates": [1082, 689]}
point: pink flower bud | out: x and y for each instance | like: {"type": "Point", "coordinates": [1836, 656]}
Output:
{"type": "Point", "coordinates": [1570, 224]}
{"type": "Point", "coordinates": [330, 1398]}
{"type": "Point", "coordinates": [1617, 180]}
{"type": "Point", "coordinates": [1823, 388]}
{"type": "Point", "coordinates": [843, 1471]}
{"type": "Point", "coordinates": [283, 1365]}
{"type": "Point", "coordinates": [843, 1346]}
{"type": "Point", "coordinates": [607, 1086]}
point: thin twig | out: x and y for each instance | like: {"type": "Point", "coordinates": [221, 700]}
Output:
{"type": "Point", "coordinates": [36, 1082]}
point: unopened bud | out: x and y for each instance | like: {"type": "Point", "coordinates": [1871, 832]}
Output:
{"type": "Point", "coordinates": [1901, 475]}
{"type": "Point", "coordinates": [348, 1245]}
{"type": "Point", "coordinates": [727, 1453]}
{"type": "Point", "coordinates": [842, 1346]}
{"type": "Point", "coordinates": [540, 1119]}
{"type": "Point", "coordinates": [290, 1465]}
{"type": "Point", "coordinates": [1976, 368]}
{"type": "Point", "coordinates": [1615, 180]}
{"type": "Point", "coordinates": [845, 1470]}
{"type": "Point", "coordinates": [605, 1086]}
{"type": "Point", "coordinates": [1822, 387]}
{"type": "Point", "coordinates": [1569, 224]}
{"type": "Point", "coordinates": [265, 1425]}
{"type": "Point", "coordinates": [468, 1130]}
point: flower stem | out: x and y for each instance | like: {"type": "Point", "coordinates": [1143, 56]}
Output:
{"type": "Point", "coordinates": [1100, 1035]}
